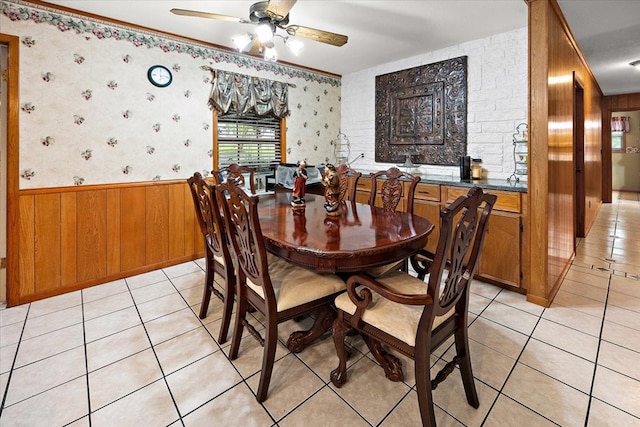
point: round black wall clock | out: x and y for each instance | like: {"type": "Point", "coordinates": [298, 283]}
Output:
{"type": "Point", "coordinates": [159, 76]}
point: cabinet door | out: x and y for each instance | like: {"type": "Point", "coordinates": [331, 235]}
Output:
{"type": "Point", "coordinates": [430, 211]}
{"type": "Point", "coordinates": [363, 189]}
{"type": "Point", "coordinates": [500, 255]}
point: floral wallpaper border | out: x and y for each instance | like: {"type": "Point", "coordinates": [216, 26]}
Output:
{"type": "Point", "coordinates": [24, 11]}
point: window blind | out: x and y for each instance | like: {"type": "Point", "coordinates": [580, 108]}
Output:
{"type": "Point", "coordinates": [249, 140]}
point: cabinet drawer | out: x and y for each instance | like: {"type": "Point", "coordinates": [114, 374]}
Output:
{"type": "Point", "coordinates": [507, 201]}
{"type": "Point", "coordinates": [428, 192]}
{"type": "Point", "coordinates": [364, 184]}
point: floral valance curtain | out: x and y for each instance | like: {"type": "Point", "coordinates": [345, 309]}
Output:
{"type": "Point", "coordinates": [620, 124]}
{"type": "Point", "coordinates": [241, 94]}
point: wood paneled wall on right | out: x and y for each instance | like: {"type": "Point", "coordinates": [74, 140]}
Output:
{"type": "Point", "coordinates": [558, 72]}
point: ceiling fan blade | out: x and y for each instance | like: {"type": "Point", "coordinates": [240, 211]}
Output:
{"type": "Point", "coordinates": [317, 35]}
{"type": "Point", "coordinates": [185, 12]}
{"type": "Point", "coordinates": [279, 9]}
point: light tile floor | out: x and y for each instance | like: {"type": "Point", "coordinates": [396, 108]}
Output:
{"type": "Point", "coordinates": [134, 353]}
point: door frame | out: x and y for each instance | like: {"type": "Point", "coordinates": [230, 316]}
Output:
{"type": "Point", "coordinates": [579, 194]}
{"type": "Point", "coordinates": [611, 104]}
{"type": "Point", "coordinates": [13, 110]}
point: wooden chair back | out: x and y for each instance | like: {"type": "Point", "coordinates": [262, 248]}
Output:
{"type": "Point", "coordinates": [237, 174]}
{"type": "Point", "coordinates": [245, 236]}
{"type": "Point", "coordinates": [392, 188]}
{"type": "Point", "coordinates": [208, 215]}
{"type": "Point", "coordinates": [344, 173]}
{"type": "Point", "coordinates": [217, 255]}
{"type": "Point", "coordinates": [463, 225]}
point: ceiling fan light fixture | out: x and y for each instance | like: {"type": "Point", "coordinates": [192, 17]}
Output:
{"type": "Point", "coordinates": [635, 64]}
{"type": "Point", "coordinates": [265, 32]}
{"type": "Point", "coordinates": [294, 45]}
{"type": "Point", "coordinates": [270, 53]}
{"type": "Point", "coordinates": [242, 41]}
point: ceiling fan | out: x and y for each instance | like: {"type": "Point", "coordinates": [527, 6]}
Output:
{"type": "Point", "coordinates": [269, 16]}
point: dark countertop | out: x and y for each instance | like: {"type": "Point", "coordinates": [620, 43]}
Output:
{"type": "Point", "coordinates": [489, 184]}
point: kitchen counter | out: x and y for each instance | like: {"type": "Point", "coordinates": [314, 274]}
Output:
{"type": "Point", "coordinates": [489, 184]}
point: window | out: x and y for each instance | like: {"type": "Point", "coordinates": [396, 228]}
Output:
{"type": "Point", "coordinates": [249, 140]}
{"type": "Point", "coordinates": [618, 142]}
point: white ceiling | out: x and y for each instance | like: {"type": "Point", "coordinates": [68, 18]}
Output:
{"type": "Point", "coordinates": [384, 31]}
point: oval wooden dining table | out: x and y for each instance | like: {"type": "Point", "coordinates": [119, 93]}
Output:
{"type": "Point", "coordinates": [361, 237]}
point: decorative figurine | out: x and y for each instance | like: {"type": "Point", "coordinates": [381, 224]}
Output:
{"type": "Point", "coordinates": [299, 185]}
{"type": "Point", "coordinates": [331, 181]}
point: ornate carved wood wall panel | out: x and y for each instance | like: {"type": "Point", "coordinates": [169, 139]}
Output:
{"type": "Point", "coordinates": [423, 111]}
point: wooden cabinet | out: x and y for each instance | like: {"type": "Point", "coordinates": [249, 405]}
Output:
{"type": "Point", "coordinates": [426, 203]}
{"type": "Point", "coordinates": [363, 189]}
{"type": "Point", "coordinates": [504, 244]}
{"type": "Point", "coordinates": [504, 257]}
{"type": "Point", "coordinates": [500, 258]}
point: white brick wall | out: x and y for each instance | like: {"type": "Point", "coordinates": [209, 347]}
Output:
{"type": "Point", "coordinates": [497, 102]}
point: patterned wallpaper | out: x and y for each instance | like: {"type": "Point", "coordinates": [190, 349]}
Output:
{"type": "Point", "coordinates": [90, 116]}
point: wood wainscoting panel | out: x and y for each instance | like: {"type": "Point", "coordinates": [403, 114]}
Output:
{"type": "Point", "coordinates": [132, 228]}
{"type": "Point", "coordinates": [68, 238]}
{"type": "Point", "coordinates": [177, 225]}
{"type": "Point", "coordinates": [47, 249]}
{"type": "Point", "coordinates": [26, 258]}
{"type": "Point", "coordinates": [75, 237]}
{"type": "Point", "coordinates": [114, 231]}
{"type": "Point", "coordinates": [92, 234]}
{"type": "Point", "coordinates": [157, 224]}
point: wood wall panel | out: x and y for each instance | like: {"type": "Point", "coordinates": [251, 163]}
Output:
{"type": "Point", "coordinates": [132, 228]}
{"type": "Point", "coordinates": [68, 238]}
{"type": "Point", "coordinates": [554, 59]}
{"type": "Point", "coordinates": [157, 224]}
{"type": "Point", "coordinates": [92, 235]}
{"type": "Point", "coordinates": [26, 263]}
{"type": "Point", "coordinates": [113, 231]}
{"type": "Point", "coordinates": [177, 224]}
{"type": "Point", "coordinates": [47, 242]}
{"type": "Point", "coordinates": [72, 238]}
{"type": "Point", "coordinates": [194, 241]}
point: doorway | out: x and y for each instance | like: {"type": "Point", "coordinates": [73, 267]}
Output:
{"type": "Point", "coordinates": [625, 152]}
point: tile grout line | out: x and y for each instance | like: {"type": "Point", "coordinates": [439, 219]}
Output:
{"type": "Point", "coordinates": [595, 364]}
{"type": "Point", "coordinates": [155, 354]}
{"type": "Point", "coordinates": [13, 362]}
{"type": "Point", "coordinates": [244, 380]}
{"type": "Point", "coordinates": [506, 380]}
{"type": "Point", "coordinates": [86, 360]}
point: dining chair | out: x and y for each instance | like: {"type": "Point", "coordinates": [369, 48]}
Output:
{"type": "Point", "coordinates": [277, 289]}
{"type": "Point", "coordinates": [344, 173]}
{"type": "Point", "coordinates": [236, 173]}
{"type": "Point", "coordinates": [392, 190]}
{"type": "Point", "coordinates": [415, 317]}
{"type": "Point", "coordinates": [217, 256]}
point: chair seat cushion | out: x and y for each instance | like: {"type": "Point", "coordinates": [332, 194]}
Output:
{"type": "Point", "coordinates": [294, 285]}
{"type": "Point", "coordinates": [383, 269]}
{"type": "Point", "coordinates": [398, 320]}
